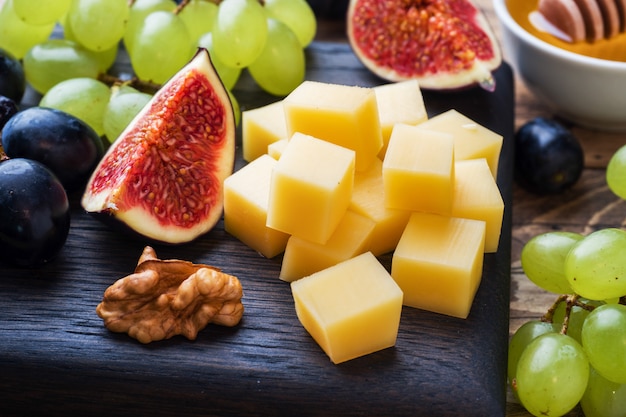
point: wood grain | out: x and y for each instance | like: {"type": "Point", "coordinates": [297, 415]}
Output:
{"type": "Point", "coordinates": [587, 206]}
{"type": "Point", "coordinates": [57, 357]}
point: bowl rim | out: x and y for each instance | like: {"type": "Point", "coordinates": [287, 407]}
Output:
{"type": "Point", "coordinates": [507, 20]}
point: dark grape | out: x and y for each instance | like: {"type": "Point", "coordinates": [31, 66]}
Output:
{"type": "Point", "coordinates": [12, 79]}
{"type": "Point", "coordinates": [548, 157]}
{"type": "Point", "coordinates": [34, 213]}
{"type": "Point", "coordinates": [8, 109]}
{"type": "Point", "coordinates": [63, 143]}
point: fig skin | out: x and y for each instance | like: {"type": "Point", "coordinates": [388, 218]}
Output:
{"type": "Point", "coordinates": [373, 24]}
{"type": "Point", "coordinates": [162, 179]}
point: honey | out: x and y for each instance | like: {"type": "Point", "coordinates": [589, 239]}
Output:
{"type": "Point", "coordinates": [613, 49]}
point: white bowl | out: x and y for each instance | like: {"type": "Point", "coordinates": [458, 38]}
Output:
{"type": "Point", "coordinates": [590, 92]}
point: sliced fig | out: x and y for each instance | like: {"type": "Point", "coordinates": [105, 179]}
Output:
{"type": "Point", "coordinates": [163, 176]}
{"type": "Point", "coordinates": [445, 44]}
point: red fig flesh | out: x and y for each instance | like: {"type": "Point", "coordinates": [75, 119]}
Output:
{"type": "Point", "coordinates": [163, 177]}
{"type": "Point", "coordinates": [445, 44]}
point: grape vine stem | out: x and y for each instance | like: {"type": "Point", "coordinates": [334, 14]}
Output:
{"type": "Point", "coordinates": [141, 85]}
{"type": "Point", "coordinates": [184, 3]}
{"type": "Point", "coordinates": [571, 301]}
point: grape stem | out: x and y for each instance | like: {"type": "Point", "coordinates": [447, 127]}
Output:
{"type": "Point", "coordinates": [570, 300]}
{"type": "Point", "coordinates": [184, 3]}
{"type": "Point", "coordinates": [180, 6]}
{"type": "Point", "coordinates": [143, 86]}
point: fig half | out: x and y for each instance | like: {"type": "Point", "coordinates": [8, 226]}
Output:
{"type": "Point", "coordinates": [445, 44]}
{"type": "Point", "coordinates": [163, 177]}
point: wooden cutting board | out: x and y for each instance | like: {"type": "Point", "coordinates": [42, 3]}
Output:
{"type": "Point", "coordinates": [56, 357]}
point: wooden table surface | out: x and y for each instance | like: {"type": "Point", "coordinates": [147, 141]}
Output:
{"type": "Point", "coordinates": [587, 206]}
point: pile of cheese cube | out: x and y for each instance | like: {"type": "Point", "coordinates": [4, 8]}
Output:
{"type": "Point", "coordinates": [338, 175]}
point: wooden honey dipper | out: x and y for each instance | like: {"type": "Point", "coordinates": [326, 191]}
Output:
{"type": "Point", "coordinates": [589, 20]}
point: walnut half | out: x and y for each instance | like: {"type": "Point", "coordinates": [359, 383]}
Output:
{"type": "Point", "coordinates": [164, 298]}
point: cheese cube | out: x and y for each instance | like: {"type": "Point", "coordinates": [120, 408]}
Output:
{"type": "Point", "coordinates": [399, 102]}
{"type": "Point", "coordinates": [418, 170]}
{"type": "Point", "coordinates": [351, 309]}
{"type": "Point", "coordinates": [261, 127]}
{"type": "Point", "coordinates": [471, 140]}
{"type": "Point", "coordinates": [246, 197]}
{"type": "Point", "coordinates": [310, 188]}
{"type": "Point", "coordinates": [477, 196]}
{"type": "Point", "coordinates": [438, 263]}
{"type": "Point", "coordinates": [341, 114]}
{"type": "Point", "coordinates": [368, 200]}
{"type": "Point", "coordinates": [275, 149]}
{"type": "Point", "coordinates": [302, 257]}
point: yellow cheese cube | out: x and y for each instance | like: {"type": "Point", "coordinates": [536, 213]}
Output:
{"type": "Point", "coordinates": [438, 263]}
{"type": "Point", "coordinates": [341, 114]}
{"type": "Point", "coordinates": [302, 257]}
{"type": "Point", "coordinates": [261, 127]}
{"type": "Point", "coordinates": [310, 188]}
{"type": "Point", "coordinates": [471, 140]}
{"type": "Point", "coordinates": [275, 149]}
{"type": "Point", "coordinates": [351, 309]}
{"type": "Point", "coordinates": [399, 102]}
{"type": "Point", "coordinates": [368, 200]}
{"type": "Point", "coordinates": [418, 170]}
{"type": "Point", "coordinates": [477, 196]}
{"type": "Point", "coordinates": [246, 197]}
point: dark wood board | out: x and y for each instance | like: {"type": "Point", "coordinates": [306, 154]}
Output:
{"type": "Point", "coordinates": [57, 358]}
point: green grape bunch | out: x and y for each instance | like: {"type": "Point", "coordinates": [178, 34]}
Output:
{"type": "Point", "coordinates": [575, 355]}
{"type": "Point", "coordinates": [62, 40]}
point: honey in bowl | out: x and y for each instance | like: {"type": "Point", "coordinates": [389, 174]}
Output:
{"type": "Point", "coordinates": [524, 12]}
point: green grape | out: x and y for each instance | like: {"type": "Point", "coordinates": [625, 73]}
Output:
{"type": "Point", "coordinates": [239, 32]}
{"type": "Point", "coordinates": [161, 47]}
{"type": "Point", "coordinates": [596, 266]}
{"type": "Point", "coordinates": [543, 258]}
{"type": "Point", "coordinates": [552, 375]}
{"type": "Point", "coordinates": [281, 66]}
{"type": "Point", "coordinates": [604, 341]}
{"type": "Point", "coordinates": [105, 58]}
{"type": "Point", "coordinates": [18, 37]}
{"type": "Point", "coordinates": [526, 333]}
{"type": "Point", "coordinates": [199, 17]}
{"type": "Point", "coordinates": [125, 103]}
{"type": "Point", "coordinates": [228, 75]}
{"type": "Point", "coordinates": [138, 12]}
{"type": "Point", "coordinates": [56, 60]}
{"type": "Point", "coordinates": [297, 15]}
{"type": "Point", "coordinates": [98, 25]}
{"type": "Point", "coordinates": [576, 318]}
{"type": "Point", "coordinates": [84, 98]}
{"type": "Point", "coordinates": [603, 398]}
{"type": "Point", "coordinates": [37, 12]}
{"type": "Point", "coordinates": [616, 173]}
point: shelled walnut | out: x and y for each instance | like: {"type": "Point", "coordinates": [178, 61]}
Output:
{"type": "Point", "coordinates": [164, 298]}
